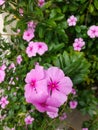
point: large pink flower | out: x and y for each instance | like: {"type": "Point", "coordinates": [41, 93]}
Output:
{"type": "Point", "coordinates": [36, 87]}
{"type": "Point", "coordinates": [59, 86]}
{"type": "Point", "coordinates": [28, 34]}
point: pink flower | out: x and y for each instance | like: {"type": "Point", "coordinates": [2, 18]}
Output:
{"type": "Point", "coordinates": [84, 128]}
{"type": "Point", "coordinates": [12, 66]}
{"type": "Point", "coordinates": [41, 47]}
{"type": "Point", "coordinates": [72, 20]}
{"type": "Point", "coordinates": [28, 34]}
{"type": "Point", "coordinates": [2, 2]}
{"type": "Point", "coordinates": [19, 59]}
{"type": "Point", "coordinates": [41, 3]}
{"type": "Point", "coordinates": [93, 31]}
{"type": "Point", "coordinates": [63, 116]}
{"type": "Point", "coordinates": [21, 11]}
{"type": "Point", "coordinates": [2, 76]}
{"type": "Point", "coordinates": [18, 30]}
{"type": "Point", "coordinates": [3, 67]}
{"type": "Point", "coordinates": [59, 86]}
{"type": "Point", "coordinates": [29, 120]}
{"type": "Point", "coordinates": [31, 50]}
{"type": "Point", "coordinates": [78, 44]}
{"type": "Point", "coordinates": [3, 102]}
{"type": "Point", "coordinates": [73, 104]}
{"type": "Point", "coordinates": [36, 86]}
{"type": "Point", "coordinates": [32, 24]}
{"type": "Point", "coordinates": [13, 129]}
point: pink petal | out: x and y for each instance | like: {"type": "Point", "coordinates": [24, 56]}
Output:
{"type": "Point", "coordinates": [65, 85]}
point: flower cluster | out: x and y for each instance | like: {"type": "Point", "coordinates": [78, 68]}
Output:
{"type": "Point", "coordinates": [93, 31]}
{"type": "Point", "coordinates": [29, 32]}
{"type": "Point", "coordinates": [36, 47]}
{"type": "Point", "coordinates": [47, 89]}
{"type": "Point", "coordinates": [78, 44]}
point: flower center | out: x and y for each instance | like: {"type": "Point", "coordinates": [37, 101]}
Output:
{"type": "Point", "coordinates": [40, 46]}
{"type": "Point", "coordinates": [31, 48]}
{"type": "Point", "coordinates": [28, 34]}
{"type": "Point", "coordinates": [53, 85]}
{"type": "Point", "coordinates": [33, 83]}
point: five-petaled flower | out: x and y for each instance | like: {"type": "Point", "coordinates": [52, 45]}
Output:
{"type": "Point", "coordinates": [28, 34]}
{"type": "Point", "coordinates": [73, 104]}
{"type": "Point", "coordinates": [72, 20]}
{"type": "Point", "coordinates": [29, 120]}
{"type": "Point", "coordinates": [93, 31]}
{"type": "Point", "coordinates": [78, 44]}
{"type": "Point", "coordinates": [3, 102]}
{"type": "Point", "coordinates": [19, 59]}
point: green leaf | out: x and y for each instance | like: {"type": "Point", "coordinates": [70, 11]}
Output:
{"type": "Point", "coordinates": [78, 29]}
{"type": "Point", "coordinates": [96, 4]}
{"type": "Point", "coordinates": [91, 8]}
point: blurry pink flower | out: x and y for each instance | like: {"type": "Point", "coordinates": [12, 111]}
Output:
{"type": "Point", "coordinates": [28, 34]}
{"type": "Point", "coordinates": [31, 50]}
{"type": "Point", "coordinates": [3, 67]}
{"type": "Point", "coordinates": [84, 128]}
{"type": "Point", "coordinates": [29, 120]}
{"type": "Point", "coordinates": [41, 3]}
{"type": "Point", "coordinates": [2, 2]}
{"type": "Point", "coordinates": [78, 44]}
{"type": "Point", "coordinates": [3, 102]}
{"type": "Point", "coordinates": [41, 47]}
{"type": "Point", "coordinates": [52, 114]}
{"type": "Point", "coordinates": [72, 20]}
{"type": "Point", "coordinates": [93, 31]}
{"type": "Point", "coordinates": [73, 104]}
{"type": "Point", "coordinates": [21, 11]}
{"type": "Point", "coordinates": [12, 66]}
{"type": "Point", "coordinates": [2, 76]}
{"type": "Point", "coordinates": [36, 86]}
{"type": "Point", "coordinates": [13, 129]}
{"type": "Point", "coordinates": [18, 30]}
{"type": "Point", "coordinates": [73, 91]}
{"type": "Point", "coordinates": [32, 24]}
{"type": "Point", "coordinates": [19, 59]}
{"type": "Point", "coordinates": [59, 86]}
{"type": "Point", "coordinates": [63, 116]}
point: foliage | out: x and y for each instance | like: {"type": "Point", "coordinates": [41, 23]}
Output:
{"type": "Point", "coordinates": [53, 29]}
